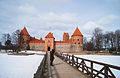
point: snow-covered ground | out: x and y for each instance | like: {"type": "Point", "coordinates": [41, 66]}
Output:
{"type": "Point", "coordinates": [36, 52]}
{"type": "Point", "coordinates": [108, 59]}
{"type": "Point", "coordinates": [16, 66]}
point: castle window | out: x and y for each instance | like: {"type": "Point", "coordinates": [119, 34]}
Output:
{"type": "Point", "coordinates": [49, 41]}
{"type": "Point", "coordinates": [79, 43]}
{"type": "Point", "coordinates": [77, 39]}
{"type": "Point", "coordinates": [75, 42]}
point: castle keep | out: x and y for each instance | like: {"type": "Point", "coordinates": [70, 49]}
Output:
{"type": "Point", "coordinates": [73, 44]}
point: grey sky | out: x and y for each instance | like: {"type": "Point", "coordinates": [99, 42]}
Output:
{"type": "Point", "coordinates": [59, 16]}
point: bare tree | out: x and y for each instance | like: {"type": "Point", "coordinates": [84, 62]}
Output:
{"type": "Point", "coordinates": [106, 39]}
{"type": "Point", "coordinates": [14, 38]}
{"type": "Point", "coordinates": [6, 37]}
{"type": "Point", "coordinates": [97, 37]}
{"type": "Point", "coordinates": [84, 43]}
{"type": "Point", "coordinates": [117, 36]}
{"type": "Point", "coordinates": [90, 45]}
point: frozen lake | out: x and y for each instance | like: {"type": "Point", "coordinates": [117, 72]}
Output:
{"type": "Point", "coordinates": [16, 66]}
{"type": "Point", "coordinates": [108, 59]}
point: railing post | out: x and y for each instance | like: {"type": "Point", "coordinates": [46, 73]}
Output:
{"type": "Point", "coordinates": [83, 65]}
{"type": "Point", "coordinates": [106, 72]}
{"type": "Point", "coordinates": [91, 69]}
{"type": "Point", "coordinates": [77, 62]}
{"type": "Point", "coordinates": [72, 60]}
{"type": "Point", "coordinates": [66, 59]}
{"type": "Point", "coordinates": [69, 58]}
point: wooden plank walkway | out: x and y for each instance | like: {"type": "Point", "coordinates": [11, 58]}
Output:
{"type": "Point", "coordinates": [63, 70]}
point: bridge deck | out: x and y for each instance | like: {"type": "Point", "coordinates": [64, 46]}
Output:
{"type": "Point", "coordinates": [63, 70]}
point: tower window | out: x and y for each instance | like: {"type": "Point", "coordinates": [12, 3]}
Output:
{"type": "Point", "coordinates": [77, 39]}
{"type": "Point", "coordinates": [79, 43]}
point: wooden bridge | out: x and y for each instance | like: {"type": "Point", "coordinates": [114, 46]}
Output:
{"type": "Point", "coordinates": [69, 66]}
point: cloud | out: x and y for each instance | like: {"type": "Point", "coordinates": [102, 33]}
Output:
{"type": "Point", "coordinates": [90, 26]}
{"type": "Point", "coordinates": [29, 15]}
{"type": "Point", "coordinates": [108, 20]}
{"type": "Point", "coordinates": [101, 23]}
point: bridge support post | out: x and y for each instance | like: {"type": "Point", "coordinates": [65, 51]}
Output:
{"type": "Point", "coordinates": [91, 69]}
{"type": "Point", "coordinates": [72, 60]}
{"type": "Point", "coordinates": [106, 72]}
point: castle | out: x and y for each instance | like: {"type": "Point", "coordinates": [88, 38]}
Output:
{"type": "Point", "coordinates": [74, 44]}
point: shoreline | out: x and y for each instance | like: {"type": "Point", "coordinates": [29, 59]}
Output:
{"type": "Point", "coordinates": [90, 53]}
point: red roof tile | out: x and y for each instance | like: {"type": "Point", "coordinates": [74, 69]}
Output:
{"type": "Point", "coordinates": [66, 34]}
{"type": "Point", "coordinates": [24, 31]}
{"type": "Point", "coordinates": [41, 38]}
{"type": "Point", "coordinates": [77, 32]}
{"type": "Point", "coordinates": [50, 35]}
{"type": "Point", "coordinates": [34, 40]}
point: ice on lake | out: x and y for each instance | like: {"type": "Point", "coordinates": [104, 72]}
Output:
{"type": "Point", "coordinates": [15, 66]}
{"type": "Point", "coordinates": [108, 59]}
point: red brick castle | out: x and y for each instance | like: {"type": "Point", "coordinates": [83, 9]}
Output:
{"type": "Point", "coordinates": [74, 44]}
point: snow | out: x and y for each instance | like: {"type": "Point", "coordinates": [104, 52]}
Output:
{"type": "Point", "coordinates": [16, 66]}
{"type": "Point", "coordinates": [108, 59]}
{"type": "Point", "coordinates": [36, 52]}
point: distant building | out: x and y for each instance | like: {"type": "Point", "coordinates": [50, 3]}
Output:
{"type": "Point", "coordinates": [74, 44]}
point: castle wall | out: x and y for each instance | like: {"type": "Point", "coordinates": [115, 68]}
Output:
{"type": "Point", "coordinates": [67, 47]}
{"type": "Point", "coordinates": [62, 48]}
{"type": "Point", "coordinates": [76, 48]}
{"type": "Point", "coordinates": [37, 46]}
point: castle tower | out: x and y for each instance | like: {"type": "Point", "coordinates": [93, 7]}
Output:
{"type": "Point", "coordinates": [24, 38]}
{"type": "Point", "coordinates": [65, 36]}
{"type": "Point", "coordinates": [49, 42]}
{"type": "Point", "coordinates": [77, 37]}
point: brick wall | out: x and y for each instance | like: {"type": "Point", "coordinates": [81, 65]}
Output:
{"type": "Point", "coordinates": [68, 48]}
{"type": "Point", "coordinates": [37, 47]}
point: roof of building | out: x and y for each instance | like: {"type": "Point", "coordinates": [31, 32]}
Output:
{"type": "Point", "coordinates": [50, 35]}
{"type": "Point", "coordinates": [77, 32]}
{"type": "Point", "coordinates": [34, 40]}
{"type": "Point", "coordinates": [24, 31]}
{"type": "Point", "coordinates": [41, 38]}
{"type": "Point", "coordinates": [66, 34]}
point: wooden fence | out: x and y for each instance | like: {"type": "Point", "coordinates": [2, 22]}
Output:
{"type": "Point", "coordinates": [88, 66]}
{"type": "Point", "coordinates": [41, 68]}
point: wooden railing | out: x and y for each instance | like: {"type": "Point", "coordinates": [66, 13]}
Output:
{"type": "Point", "coordinates": [41, 68]}
{"type": "Point", "coordinates": [87, 66]}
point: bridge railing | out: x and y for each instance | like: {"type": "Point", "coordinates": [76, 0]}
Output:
{"type": "Point", "coordinates": [88, 66]}
{"type": "Point", "coordinates": [41, 68]}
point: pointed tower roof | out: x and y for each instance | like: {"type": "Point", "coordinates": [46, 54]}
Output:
{"type": "Point", "coordinates": [50, 35]}
{"type": "Point", "coordinates": [77, 32]}
{"type": "Point", "coordinates": [24, 31]}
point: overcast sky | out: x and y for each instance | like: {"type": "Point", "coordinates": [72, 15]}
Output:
{"type": "Point", "coordinates": [59, 16]}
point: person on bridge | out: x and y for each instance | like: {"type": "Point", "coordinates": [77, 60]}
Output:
{"type": "Point", "coordinates": [52, 57]}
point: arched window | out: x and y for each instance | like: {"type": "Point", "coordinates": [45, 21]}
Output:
{"type": "Point", "coordinates": [77, 39]}
{"type": "Point", "coordinates": [79, 43]}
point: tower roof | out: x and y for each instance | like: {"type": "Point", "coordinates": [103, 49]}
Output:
{"type": "Point", "coordinates": [50, 35]}
{"type": "Point", "coordinates": [66, 34]}
{"type": "Point", "coordinates": [24, 31]}
{"type": "Point", "coordinates": [77, 32]}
